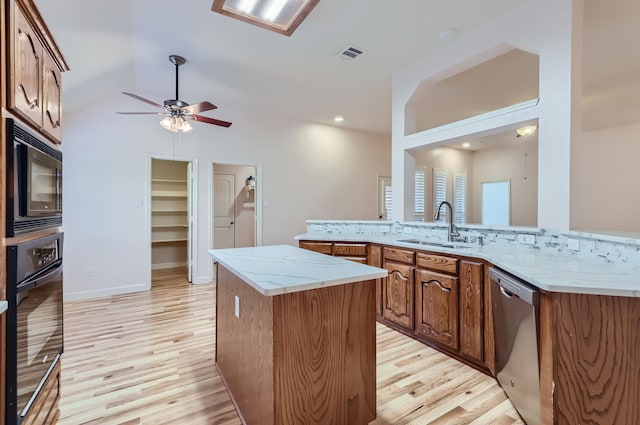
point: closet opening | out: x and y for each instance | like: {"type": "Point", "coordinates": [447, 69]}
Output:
{"type": "Point", "coordinates": [172, 216]}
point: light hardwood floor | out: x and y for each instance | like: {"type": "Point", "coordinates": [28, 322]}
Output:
{"type": "Point", "coordinates": [148, 358]}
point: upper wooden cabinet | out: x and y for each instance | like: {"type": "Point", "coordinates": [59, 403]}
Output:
{"type": "Point", "coordinates": [34, 83]}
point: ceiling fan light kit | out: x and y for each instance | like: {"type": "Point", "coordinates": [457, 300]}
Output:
{"type": "Point", "coordinates": [176, 111]}
{"type": "Point", "coordinates": [176, 124]}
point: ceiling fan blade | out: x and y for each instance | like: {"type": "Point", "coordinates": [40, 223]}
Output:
{"type": "Point", "coordinates": [208, 120]}
{"type": "Point", "coordinates": [141, 113]}
{"type": "Point", "coordinates": [142, 99]}
{"type": "Point", "coordinates": [199, 107]}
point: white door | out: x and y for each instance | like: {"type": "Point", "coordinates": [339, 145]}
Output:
{"type": "Point", "coordinates": [190, 199]}
{"type": "Point", "coordinates": [224, 211]}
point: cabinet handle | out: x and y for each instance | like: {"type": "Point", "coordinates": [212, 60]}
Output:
{"type": "Point", "coordinates": [437, 282]}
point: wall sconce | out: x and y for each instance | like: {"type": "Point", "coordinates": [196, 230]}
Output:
{"type": "Point", "coordinates": [250, 185]}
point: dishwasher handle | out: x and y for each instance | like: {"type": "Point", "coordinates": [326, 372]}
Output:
{"type": "Point", "coordinates": [512, 287]}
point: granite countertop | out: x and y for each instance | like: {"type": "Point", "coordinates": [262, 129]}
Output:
{"type": "Point", "coordinates": [3, 306]}
{"type": "Point", "coordinates": [279, 269]}
{"type": "Point", "coordinates": [549, 272]}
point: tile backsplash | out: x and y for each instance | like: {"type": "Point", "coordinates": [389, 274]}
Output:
{"type": "Point", "coordinates": [612, 249]}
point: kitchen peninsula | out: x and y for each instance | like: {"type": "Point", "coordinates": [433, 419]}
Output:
{"type": "Point", "coordinates": [295, 335]}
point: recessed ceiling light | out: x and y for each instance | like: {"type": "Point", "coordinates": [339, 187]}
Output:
{"type": "Point", "coordinates": [338, 118]}
{"type": "Point", "coordinates": [448, 34]}
{"type": "Point", "coordinates": [466, 145]}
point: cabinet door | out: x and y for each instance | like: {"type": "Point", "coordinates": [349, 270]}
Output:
{"type": "Point", "coordinates": [375, 259]}
{"type": "Point", "coordinates": [397, 297]}
{"type": "Point", "coordinates": [471, 310]}
{"type": "Point", "coordinates": [51, 98]}
{"type": "Point", "coordinates": [437, 307]}
{"type": "Point", "coordinates": [27, 65]}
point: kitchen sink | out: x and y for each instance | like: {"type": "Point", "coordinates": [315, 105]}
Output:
{"type": "Point", "coordinates": [433, 243]}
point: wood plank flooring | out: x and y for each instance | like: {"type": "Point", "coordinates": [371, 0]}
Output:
{"type": "Point", "coordinates": [147, 358]}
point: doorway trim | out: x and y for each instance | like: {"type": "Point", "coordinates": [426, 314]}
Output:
{"type": "Point", "coordinates": [192, 199]}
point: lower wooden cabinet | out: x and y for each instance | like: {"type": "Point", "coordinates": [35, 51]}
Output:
{"type": "Point", "coordinates": [439, 299]}
{"type": "Point", "coordinates": [471, 311]}
{"type": "Point", "coordinates": [398, 295]}
{"type": "Point", "coordinates": [437, 307]}
{"type": "Point", "coordinates": [44, 410]}
{"type": "Point", "coordinates": [375, 259]}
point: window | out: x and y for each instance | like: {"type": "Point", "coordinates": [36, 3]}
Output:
{"type": "Point", "coordinates": [384, 198]}
{"type": "Point", "coordinates": [419, 194]}
{"type": "Point", "coordinates": [439, 191]}
{"type": "Point", "coordinates": [460, 196]}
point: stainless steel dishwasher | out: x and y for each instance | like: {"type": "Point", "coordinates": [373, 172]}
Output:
{"type": "Point", "coordinates": [515, 322]}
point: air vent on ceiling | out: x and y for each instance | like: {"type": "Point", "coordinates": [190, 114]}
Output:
{"type": "Point", "coordinates": [350, 54]}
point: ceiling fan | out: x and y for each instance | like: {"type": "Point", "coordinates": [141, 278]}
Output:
{"type": "Point", "coordinates": [176, 111]}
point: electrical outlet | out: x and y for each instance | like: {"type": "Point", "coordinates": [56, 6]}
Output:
{"type": "Point", "coordinates": [237, 306]}
{"type": "Point", "coordinates": [384, 229]}
{"type": "Point", "coordinates": [88, 271]}
{"type": "Point", "coordinates": [527, 239]}
{"type": "Point", "coordinates": [574, 244]}
{"type": "Point", "coordinates": [316, 227]}
{"type": "Point", "coordinates": [406, 230]}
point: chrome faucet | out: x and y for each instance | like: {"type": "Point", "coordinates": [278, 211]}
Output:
{"type": "Point", "coordinates": [453, 232]}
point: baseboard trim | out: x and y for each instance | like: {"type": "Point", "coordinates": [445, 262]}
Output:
{"type": "Point", "coordinates": [106, 292]}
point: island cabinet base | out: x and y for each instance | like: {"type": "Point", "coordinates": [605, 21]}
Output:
{"type": "Point", "coordinates": [298, 358]}
{"type": "Point", "coordinates": [589, 365]}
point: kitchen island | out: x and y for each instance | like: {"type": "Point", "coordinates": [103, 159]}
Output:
{"type": "Point", "coordinates": [295, 335]}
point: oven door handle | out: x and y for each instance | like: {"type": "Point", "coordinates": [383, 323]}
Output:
{"type": "Point", "coordinates": [41, 280]}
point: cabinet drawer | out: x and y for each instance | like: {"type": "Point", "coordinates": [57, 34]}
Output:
{"type": "Point", "coordinates": [361, 260]}
{"type": "Point", "coordinates": [437, 262]}
{"type": "Point", "coordinates": [401, 255]}
{"type": "Point", "coordinates": [349, 249]}
{"type": "Point", "coordinates": [321, 247]}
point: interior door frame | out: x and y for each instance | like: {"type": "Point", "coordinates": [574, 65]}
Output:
{"type": "Point", "coordinates": [257, 230]}
{"type": "Point", "coordinates": [192, 234]}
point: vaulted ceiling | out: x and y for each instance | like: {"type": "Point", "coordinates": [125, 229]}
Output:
{"type": "Point", "coordinates": [123, 45]}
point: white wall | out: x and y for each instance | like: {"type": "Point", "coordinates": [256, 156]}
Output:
{"type": "Point", "coordinates": [502, 164]}
{"type": "Point", "coordinates": [604, 180]}
{"type": "Point", "coordinates": [550, 31]}
{"type": "Point", "coordinates": [308, 171]}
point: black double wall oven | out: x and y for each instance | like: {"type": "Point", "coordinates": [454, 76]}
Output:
{"type": "Point", "coordinates": [34, 325]}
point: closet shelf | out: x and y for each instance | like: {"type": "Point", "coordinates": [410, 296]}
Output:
{"type": "Point", "coordinates": [168, 240]}
{"type": "Point", "coordinates": [169, 194]}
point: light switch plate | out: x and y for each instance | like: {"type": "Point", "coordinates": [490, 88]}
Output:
{"type": "Point", "coordinates": [237, 306]}
{"type": "Point", "coordinates": [527, 239]}
{"type": "Point", "coordinates": [384, 229]}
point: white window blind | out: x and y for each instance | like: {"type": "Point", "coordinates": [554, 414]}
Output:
{"type": "Point", "coordinates": [460, 196]}
{"type": "Point", "coordinates": [419, 194]}
{"type": "Point", "coordinates": [439, 191]}
{"type": "Point", "coordinates": [387, 202]}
